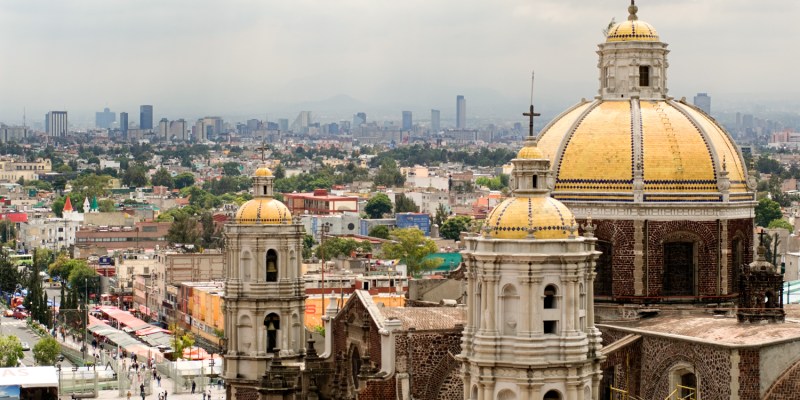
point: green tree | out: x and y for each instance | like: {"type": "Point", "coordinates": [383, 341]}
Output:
{"type": "Point", "coordinates": [63, 265]}
{"type": "Point", "coordinates": [452, 227]}
{"type": "Point", "coordinates": [10, 351]}
{"type": "Point", "coordinates": [184, 230]}
{"type": "Point", "coordinates": [135, 176]}
{"type": "Point", "coordinates": [411, 246]}
{"type": "Point", "coordinates": [404, 204]}
{"type": "Point", "coordinates": [308, 244]}
{"type": "Point", "coordinates": [91, 186]}
{"type": "Point", "coordinates": [441, 215]}
{"type": "Point", "coordinates": [333, 247]}
{"type": "Point", "coordinates": [231, 169]}
{"type": "Point", "coordinates": [162, 177]}
{"type": "Point", "coordinates": [780, 223]}
{"type": "Point", "coordinates": [82, 280]}
{"type": "Point", "coordinates": [183, 180]}
{"type": "Point", "coordinates": [378, 205]}
{"type": "Point", "coordinates": [389, 175]}
{"type": "Point", "coordinates": [8, 231]}
{"type": "Point", "coordinates": [279, 172]}
{"type": "Point", "coordinates": [106, 205]}
{"type": "Point", "coordinates": [767, 211]}
{"type": "Point", "coordinates": [9, 274]}
{"type": "Point", "coordinates": [46, 351]}
{"type": "Point", "coordinates": [379, 231]}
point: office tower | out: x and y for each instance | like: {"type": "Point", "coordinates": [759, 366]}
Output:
{"type": "Point", "coordinates": [359, 119]}
{"type": "Point", "coordinates": [461, 112]}
{"type": "Point", "coordinates": [56, 123]}
{"type": "Point", "coordinates": [407, 122]}
{"type": "Point", "coordinates": [435, 118]}
{"type": "Point", "coordinates": [283, 124]}
{"type": "Point", "coordinates": [302, 122]}
{"type": "Point", "coordinates": [104, 119]}
{"type": "Point", "coordinates": [146, 117]}
{"type": "Point", "coordinates": [208, 128]}
{"type": "Point", "coordinates": [163, 129]}
{"type": "Point", "coordinates": [177, 129]}
{"type": "Point", "coordinates": [703, 102]}
{"type": "Point", "coordinates": [123, 123]}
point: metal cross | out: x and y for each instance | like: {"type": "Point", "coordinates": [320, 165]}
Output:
{"type": "Point", "coordinates": [263, 149]}
{"type": "Point", "coordinates": [761, 237]}
{"type": "Point", "coordinates": [530, 114]}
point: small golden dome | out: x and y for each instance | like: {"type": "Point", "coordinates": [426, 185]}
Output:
{"type": "Point", "coordinates": [516, 217]}
{"type": "Point", "coordinates": [632, 31]}
{"type": "Point", "coordinates": [263, 171]}
{"type": "Point", "coordinates": [264, 210]}
{"type": "Point", "coordinates": [530, 152]}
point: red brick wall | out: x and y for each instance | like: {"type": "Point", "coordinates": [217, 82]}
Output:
{"type": "Point", "coordinates": [707, 275]}
{"type": "Point", "coordinates": [749, 375]}
{"type": "Point", "coordinates": [620, 235]}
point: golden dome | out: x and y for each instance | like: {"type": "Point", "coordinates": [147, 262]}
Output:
{"type": "Point", "coordinates": [530, 152]}
{"type": "Point", "coordinates": [670, 150]}
{"type": "Point", "coordinates": [632, 31]}
{"type": "Point", "coordinates": [264, 210]}
{"type": "Point", "coordinates": [263, 171]}
{"type": "Point", "coordinates": [516, 217]}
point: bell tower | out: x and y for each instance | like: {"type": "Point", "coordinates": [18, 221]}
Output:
{"type": "Point", "coordinates": [264, 289]}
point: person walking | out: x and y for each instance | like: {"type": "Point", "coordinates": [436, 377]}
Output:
{"type": "Point", "coordinates": [158, 379]}
{"type": "Point", "coordinates": [129, 395]}
{"type": "Point", "coordinates": [194, 385]}
{"type": "Point", "coordinates": [165, 395]}
{"type": "Point", "coordinates": [141, 387]}
{"type": "Point", "coordinates": [204, 395]}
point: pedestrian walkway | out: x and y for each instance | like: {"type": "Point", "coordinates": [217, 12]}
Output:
{"type": "Point", "coordinates": [217, 393]}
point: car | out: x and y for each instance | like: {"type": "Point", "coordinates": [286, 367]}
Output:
{"type": "Point", "coordinates": [26, 346]}
{"type": "Point", "coordinates": [8, 313]}
{"type": "Point", "coordinates": [19, 314]}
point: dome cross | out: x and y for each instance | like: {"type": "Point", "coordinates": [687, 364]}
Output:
{"type": "Point", "coordinates": [530, 114]}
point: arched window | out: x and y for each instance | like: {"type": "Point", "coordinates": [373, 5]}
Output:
{"type": "Point", "coordinates": [355, 365]}
{"type": "Point", "coordinates": [506, 394]}
{"type": "Point", "coordinates": [552, 395]}
{"type": "Point", "coordinates": [272, 266]}
{"type": "Point", "coordinates": [688, 386]}
{"type": "Point", "coordinates": [737, 262]}
{"type": "Point", "coordinates": [679, 268]}
{"type": "Point", "coordinates": [550, 301]}
{"type": "Point", "coordinates": [474, 395]}
{"type": "Point", "coordinates": [769, 300]}
{"type": "Point", "coordinates": [273, 324]}
{"type": "Point", "coordinates": [510, 302]}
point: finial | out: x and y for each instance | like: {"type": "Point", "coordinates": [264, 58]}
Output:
{"type": "Point", "coordinates": [530, 114]}
{"type": "Point", "coordinates": [588, 227]}
{"type": "Point", "coordinates": [572, 229]}
{"type": "Point", "coordinates": [632, 9]}
{"type": "Point", "coordinates": [532, 233]}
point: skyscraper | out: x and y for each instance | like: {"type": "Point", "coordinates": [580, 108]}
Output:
{"type": "Point", "coordinates": [359, 118]}
{"type": "Point", "coordinates": [123, 123]}
{"type": "Point", "coordinates": [104, 119]}
{"type": "Point", "coordinates": [461, 112]}
{"type": "Point", "coordinates": [163, 129]}
{"type": "Point", "coordinates": [407, 121]}
{"type": "Point", "coordinates": [56, 123]}
{"type": "Point", "coordinates": [703, 102]}
{"type": "Point", "coordinates": [146, 117]}
{"type": "Point", "coordinates": [435, 121]}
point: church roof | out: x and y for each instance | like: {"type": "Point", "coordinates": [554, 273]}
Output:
{"type": "Point", "coordinates": [427, 318]}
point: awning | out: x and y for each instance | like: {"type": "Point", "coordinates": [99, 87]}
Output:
{"type": "Point", "coordinates": [151, 330]}
{"type": "Point", "coordinates": [29, 377]}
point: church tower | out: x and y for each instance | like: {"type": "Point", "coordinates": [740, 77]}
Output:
{"type": "Point", "coordinates": [264, 293]}
{"type": "Point", "coordinates": [530, 330]}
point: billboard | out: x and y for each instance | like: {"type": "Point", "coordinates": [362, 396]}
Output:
{"type": "Point", "coordinates": [418, 220]}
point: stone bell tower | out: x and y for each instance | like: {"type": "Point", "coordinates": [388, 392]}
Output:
{"type": "Point", "coordinates": [264, 293]}
{"type": "Point", "coordinates": [530, 330]}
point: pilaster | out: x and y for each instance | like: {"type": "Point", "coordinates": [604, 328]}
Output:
{"type": "Point", "coordinates": [638, 257]}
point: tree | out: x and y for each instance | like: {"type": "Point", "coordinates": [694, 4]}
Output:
{"type": "Point", "coordinates": [162, 177]}
{"type": "Point", "coordinates": [780, 223]}
{"type": "Point", "coordinates": [333, 247]}
{"type": "Point", "coordinates": [184, 230]}
{"type": "Point", "coordinates": [389, 175]}
{"type": "Point", "coordinates": [379, 231]}
{"type": "Point", "coordinates": [46, 351]}
{"type": "Point", "coordinates": [183, 180]}
{"type": "Point", "coordinates": [452, 228]}
{"type": "Point", "coordinates": [231, 169]}
{"type": "Point", "coordinates": [106, 205]}
{"type": "Point", "coordinates": [10, 351]}
{"type": "Point", "coordinates": [279, 172]}
{"type": "Point", "coordinates": [410, 246]}
{"type": "Point", "coordinates": [8, 231]}
{"type": "Point", "coordinates": [767, 211]}
{"type": "Point", "coordinates": [308, 243]}
{"type": "Point", "coordinates": [9, 274]}
{"type": "Point", "coordinates": [82, 280]}
{"type": "Point", "coordinates": [441, 215]}
{"type": "Point", "coordinates": [63, 265]}
{"type": "Point", "coordinates": [378, 205]}
{"type": "Point", "coordinates": [91, 186]}
{"type": "Point", "coordinates": [404, 204]}
{"type": "Point", "coordinates": [135, 176]}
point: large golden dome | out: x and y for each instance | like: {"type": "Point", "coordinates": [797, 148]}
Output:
{"type": "Point", "coordinates": [264, 210]}
{"type": "Point", "coordinates": [263, 171]}
{"type": "Point", "coordinates": [604, 150]}
{"type": "Point", "coordinates": [517, 217]}
{"type": "Point", "coordinates": [632, 31]}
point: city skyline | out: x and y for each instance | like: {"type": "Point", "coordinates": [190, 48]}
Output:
{"type": "Point", "coordinates": [262, 58]}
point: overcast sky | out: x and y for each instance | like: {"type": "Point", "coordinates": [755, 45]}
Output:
{"type": "Point", "coordinates": [263, 57]}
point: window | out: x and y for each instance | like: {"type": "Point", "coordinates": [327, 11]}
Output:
{"type": "Point", "coordinates": [535, 183]}
{"type": "Point", "coordinates": [644, 75]}
{"type": "Point", "coordinates": [273, 323]}
{"type": "Point", "coordinates": [550, 327]}
{"type": "Point", "coordinates": [272, 266]}
{"type": "Point", "coordinates": [552, 395]}
{"type": "Point", "coordinates": [550, 297]}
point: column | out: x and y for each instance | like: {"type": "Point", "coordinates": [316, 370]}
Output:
{"type": "Point", "coordinates": [724, 257]}
{"type": "Point", "coordinates": [526, 302]}
{"type": "Point", "coordinates": [536, 305]}
{"type": "Point", "coordinates": [638, 257]}
{"type": "Point", "coordinates": [491, 313]}
{"type": "Point", "coordinates": [470, 300]}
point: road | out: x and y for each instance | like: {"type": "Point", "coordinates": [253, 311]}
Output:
{"type": "Point", "coordinates": [17, 327]}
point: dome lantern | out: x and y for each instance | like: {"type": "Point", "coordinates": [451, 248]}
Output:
{"type": "Point", "coordinates": [263, 208]}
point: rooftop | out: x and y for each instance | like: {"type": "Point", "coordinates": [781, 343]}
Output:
{"type": "Point", "coordinates": [427, 318]}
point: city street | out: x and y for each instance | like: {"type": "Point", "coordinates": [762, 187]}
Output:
{"type": "Point", "coordinates": [17, 327]}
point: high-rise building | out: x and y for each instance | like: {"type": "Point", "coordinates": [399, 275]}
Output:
{"type": "Point", "coordinates": [302, 122]}
{"type": "Point", "coordinates": [104, 119]}
{"type": "Point", "coordinates": [461, 112]}
{"type": "Point", "coordinates": [146, 117]}
{"type": "Point", "coordinates": [703, 102]}
{"type": "Point", "coordinates": [123, 123]}
{"type": "Point", "coordinates": [408, 123]}
{"type": "Point", "coordinates": [177, 129]}
{"type": "Point", "coordinates": [283, 124]}
{"type": "Point", "coordinates": [163, 129]}
{"type": "Point", "coordinates": [56, 123]}
{"type": "Point", "coordinates": [359, 118]}
{"type": "Point", "coordinates": [435, 121]}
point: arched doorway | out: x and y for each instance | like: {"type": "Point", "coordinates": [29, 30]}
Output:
{"type": "Point", "coordinates": [272, 266]}
{"type": "Point", "coordinates": [273, 324]}
{"type": "Point", "coordinates": [552, 395]}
